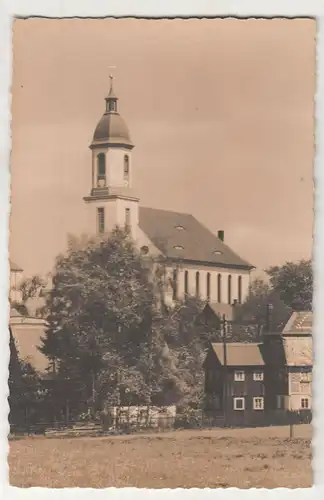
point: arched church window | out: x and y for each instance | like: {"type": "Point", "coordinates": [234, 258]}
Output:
{"type": "Point", "coordinates": [101, 169]}
{"type": "Point", "coordinates": [197, 284]}
{"type": "Point", "coordinates": [175, 284]}
{"type": "Point", "coordinates": [126, 167]}
{"type": "Point", "coordinates": [208, 286]}
{"type": "Point", "coordinates": [229, 289]}
{"type": "Point", "coordinates": [219, 288]}
{"type": "Point", "coordinates": [186, 283]}
{"type": "Point", "coordinates": [239, 289]}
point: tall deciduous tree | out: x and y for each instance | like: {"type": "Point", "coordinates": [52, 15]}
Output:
{"type": "Point", "coordinates": [106, 326]}
{"type": "Point", "coordinates": [294, 283]}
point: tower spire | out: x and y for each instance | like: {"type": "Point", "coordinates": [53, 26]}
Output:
{"type": "Point", "coordinates": [111, 99]}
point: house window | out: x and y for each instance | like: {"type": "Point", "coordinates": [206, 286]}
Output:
{"type": "Point", "coordinates": [186, 283]}
{"type": "Point", "coordinates": [101, 219]}
{"type": "Point", "coordinates": [280, 402]}
{"type": "Point", "coordinates": [258, 376]}
{"type": "Point", "coordinates": [239, 404]}
{"type": "Point", "coordinates": [229, 290]}
{"type": "Point", "coordinates": [219, 288]}
{"type": "Point", "coordinates": [304, 403]}
{"type": "Point", "coordinates": [239, 376]}
{"type": "Point", "coordinates": [101, 170]}
{"type": "Point", "coordinates": [175, 284]}
{"type": "Point", "coordinates": [305, 377]}
{"type": "Point", "coordinates": [208, 287]}
{"type": "Point", "coordinates": [197, 284]}
{"type": "Point", "coordinates": [239, 289]}
{"type": "Point", "coordinates": [258, 403]}
{"type": "Point", "coordinates": [127, 217]}
{"type": "Point", "coordinates": [126, 167]}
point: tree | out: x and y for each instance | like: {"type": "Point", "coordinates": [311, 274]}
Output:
{"type": "Point", "coordinates": [254, 311]}
{"type": "Point", "coordinates": [111, 334]}
{"type": "Point", "coordinates": [294, 284]}
{"type": "Point", "coordinates": [29, 288]}
{"type": "Point", "coordinates": [105, 325]}
{"type": "Point", "coordinates": [25, 389]}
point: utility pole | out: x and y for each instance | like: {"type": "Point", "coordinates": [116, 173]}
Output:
{"type": "Point", "coordinates": [225, 383]}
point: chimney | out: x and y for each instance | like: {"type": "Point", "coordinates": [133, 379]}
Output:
{"type": "Point", "coordinates": [221, 235]}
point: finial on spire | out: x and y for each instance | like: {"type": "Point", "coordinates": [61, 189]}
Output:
{"type": "Point", "coordinates": [111, 99]}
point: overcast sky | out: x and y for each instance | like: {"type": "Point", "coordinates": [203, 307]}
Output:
{"type": "Point", "coordinates": [221, 113]}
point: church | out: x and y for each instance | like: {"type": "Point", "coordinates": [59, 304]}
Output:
{"type": "Point", "coordinates": [198, 261]}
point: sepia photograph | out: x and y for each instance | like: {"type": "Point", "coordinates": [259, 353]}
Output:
{"type": "Point", "coordinates": [160, 253]}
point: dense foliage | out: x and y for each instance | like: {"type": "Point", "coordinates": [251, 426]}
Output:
{"type": "Point", "coordinates": [111, 334]}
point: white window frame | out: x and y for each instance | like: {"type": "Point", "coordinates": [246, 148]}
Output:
{"type": "Point", "coordinates": [301, 404]}
{"type": "Point", "coordinates": [280, 398]}
{"type": "Point", "coordinates": [258, 376]}
{"type": "Point", "coordinates": [235, 403]}
{"type": "Point", "coordinates": [255, 407]}
{"type": "Point", "coordinates": [239, 376]}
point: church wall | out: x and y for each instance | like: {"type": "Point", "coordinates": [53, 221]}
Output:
{"type": "Point", "coordinates": [121, 206]}
{"type": "Point", "coordinates": [142, 239]}
{"type": "Point", "coordinates": [214, 271]}
{"type": "Point", "coordinates": [110, 214]}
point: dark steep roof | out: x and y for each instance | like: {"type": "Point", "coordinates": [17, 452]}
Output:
{"type": "Point", "coordinates": [112, 129]}
{"type": "Point", "coordinates": [181, 236]}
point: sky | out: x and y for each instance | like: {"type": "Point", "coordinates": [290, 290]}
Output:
{"type": "Point", "coordinates": [221, 113]}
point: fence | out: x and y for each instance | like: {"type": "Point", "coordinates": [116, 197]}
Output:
{"type": "Point", "coordinates": [138, 419]}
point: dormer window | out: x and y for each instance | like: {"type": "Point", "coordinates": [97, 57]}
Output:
{"type": "Point", "coordinates": [217, 252]}
{"type": "Point", "coordinates": [178, 247]}
{"type": "Point", "coordinates": [179, 228]}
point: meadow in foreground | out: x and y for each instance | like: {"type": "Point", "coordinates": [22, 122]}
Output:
{"type": "Point", "coordinates": [217, 458]}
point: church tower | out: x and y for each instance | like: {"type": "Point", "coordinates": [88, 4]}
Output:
{"type": "Point", "coordinates": [111, 201]}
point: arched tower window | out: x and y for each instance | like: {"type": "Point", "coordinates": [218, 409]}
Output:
{"type": "Point", "coordinates": [101, 170]}
{"type": "Point", "coordinates": [229, 289]}
{"type": "Point", "coordinates": [197, 284]}
{"type": "Point", "coordinates": [126, 167]}
{"type": "Point", "coordinates": [208, 287]}
{"type": "Point", "coordinates": [175, 284]}
{"type": "Point", "coordinates": [186, 283]}
{"type": "Point", "coordinates": [219, 288]}
{"type": "Point", "coordinates": [239, 289]}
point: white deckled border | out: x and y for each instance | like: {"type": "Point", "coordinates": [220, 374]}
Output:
{"type": "Point", "coordinates": [165, 8]}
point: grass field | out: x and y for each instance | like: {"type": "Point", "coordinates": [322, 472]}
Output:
{"type": "Point", "coordinates": [242, 458]}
